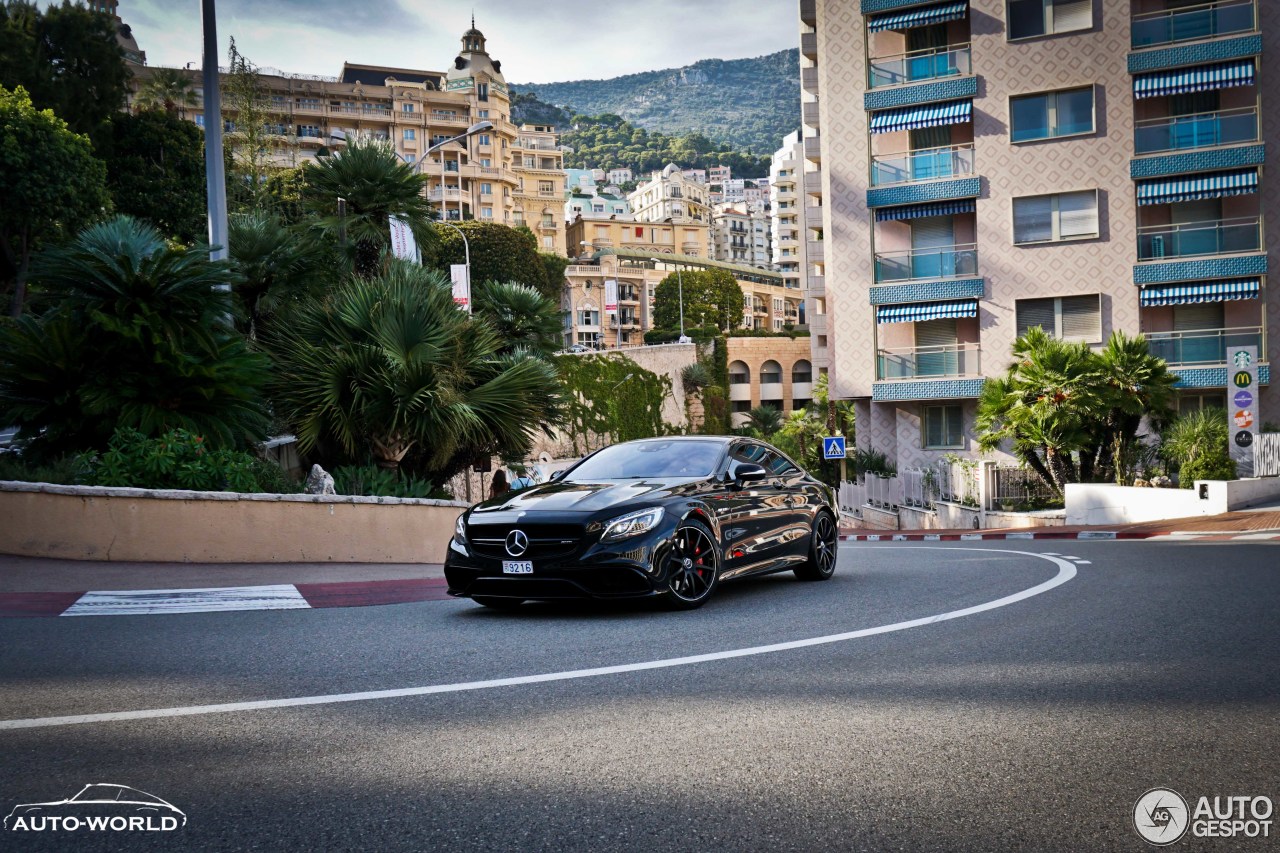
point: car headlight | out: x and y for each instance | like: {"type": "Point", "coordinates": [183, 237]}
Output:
{"type": "Point", "coordinates": [460, 531]}
{"type": "Point", "coordinates": [632, 524]}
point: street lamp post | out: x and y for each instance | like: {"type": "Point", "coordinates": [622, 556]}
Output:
{"type": "Point", "coordinates": [215, 173]}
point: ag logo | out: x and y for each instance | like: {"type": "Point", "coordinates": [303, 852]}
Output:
{"type": "Point", "coordinates": [1242, 379]}
{"type": "Point", "coordinates": [1161, 816]}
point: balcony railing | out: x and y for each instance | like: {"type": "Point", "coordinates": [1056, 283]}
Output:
{"type": "Point", "coordinates": [1218, 237]}
{"type": "Point", "coordinates": [1201, 130]}
{"type": "Point", "coordinates": [1193, 23]}
{"type": "Point", "coordinates": [930, 64]}
{"type": "Point", "coordinates": [945, 262]}
{"type": "Point", "coordinates": [1202, 346]}
{"type": "Point", "coordinates": [925, 362]}
{"type": "Point", "coordinates": [926, 164]}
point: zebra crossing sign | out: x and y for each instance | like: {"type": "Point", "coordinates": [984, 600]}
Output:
{"type": "Point", "coordinates": [833, 447]}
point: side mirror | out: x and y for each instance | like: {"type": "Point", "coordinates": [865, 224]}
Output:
{"type": "Point", "coordinates": [749, 472]}
{"type": "Point", "coordinates": [555, 476]}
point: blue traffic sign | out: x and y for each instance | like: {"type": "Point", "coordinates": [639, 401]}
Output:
{"type": "Point", "coordinates": [833, 447]}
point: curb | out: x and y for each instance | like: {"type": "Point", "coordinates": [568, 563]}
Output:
{"type": "Point", "coordinates": [979, 537]}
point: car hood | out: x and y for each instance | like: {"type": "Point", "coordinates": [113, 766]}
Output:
{"type": "Point", "coordinates": [580, 497]}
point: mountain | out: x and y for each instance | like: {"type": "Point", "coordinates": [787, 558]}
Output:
{"type": "Point", "coordinates": [749, 103]}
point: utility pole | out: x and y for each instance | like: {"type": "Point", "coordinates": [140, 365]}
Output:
{"type": "Point", "coordinates": [214, 168]}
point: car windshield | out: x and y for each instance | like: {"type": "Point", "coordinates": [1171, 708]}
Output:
{"type": "Point", "coordinates": [649, 459]}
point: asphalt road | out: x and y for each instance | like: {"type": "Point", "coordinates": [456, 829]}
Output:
{"type": "Point", "coordinates": [1030, 726]}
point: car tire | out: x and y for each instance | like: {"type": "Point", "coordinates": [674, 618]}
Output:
{"type": "Point", "coordinates": [498, 603]}
{"type": "Point", "coordinates": [824, 543]}
{"type": "Point", "coordinates": [692, 566]}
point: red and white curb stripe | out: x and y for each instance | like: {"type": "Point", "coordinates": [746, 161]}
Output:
{"type": "Point", "coordinates": [1168, 535]}
{"type": "Point", "coordinates": [301, 596]}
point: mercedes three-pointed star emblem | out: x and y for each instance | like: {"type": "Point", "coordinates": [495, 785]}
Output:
{"type": "Point", "coordinates": [517, 543]}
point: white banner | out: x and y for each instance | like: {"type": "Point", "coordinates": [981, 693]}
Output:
{"type": "Point", "coordinates": [461, 285]}
{"type": "Point", "coordinates": [611, 296]}
{"type": "Point", "coordinates": [1242, 406]}
{"type": "Point", "coordinates": [403, 245]}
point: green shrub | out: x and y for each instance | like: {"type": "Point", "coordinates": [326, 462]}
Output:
{"type": "Point", "coordinates": [181, 460]}
{"type": "Point", "coordinates": [372, 481]}
{"type": "Point", "coordinates": [65, 471]}
{"type": "Point", "coordinates": [1197, 443]}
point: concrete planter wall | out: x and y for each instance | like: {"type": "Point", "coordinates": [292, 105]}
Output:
{"type": "Point", "coordinates": [1102, 503]}
{"type": "Point", "coordinates": [143, 525]}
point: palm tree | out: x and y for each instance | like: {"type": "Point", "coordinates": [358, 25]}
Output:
{"type": "Point", "coordinates": [1137, 385]}
{"type": "Point", "coordinates": [134, 336]}
{"type": "Point", "coordinates": [389, 364]}
{"type": "Point", "coordinates": [1197, 443]}
{"type": "Point", "coordinates": [169, 90]}
{"type": "Point", "coordinates": [765, 420]}
{"type": "Point", "coordinates": [523, 317]}
{"type": "Point", "coordinates": [280, 267]}
{"type": "Point", "coordinates": [376, 185]}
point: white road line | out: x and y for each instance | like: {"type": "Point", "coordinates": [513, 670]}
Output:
{"type": "Point", "coordinates": [1066, 571]}
{"type": "Point", "coordinates": [148, 601]}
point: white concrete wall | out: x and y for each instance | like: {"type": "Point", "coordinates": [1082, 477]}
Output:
{"type": "Point", "coordinates": [1102, 503]}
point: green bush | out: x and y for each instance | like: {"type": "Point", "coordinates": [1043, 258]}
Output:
{"type": "Point", "coordinates": [66, 471]}
{"type": "Point", "coordinates": [372, 481]}
{"type": "Point", "coordinates": [1197, 443]}
{"type": "Point", "coordinates": [180, 460]}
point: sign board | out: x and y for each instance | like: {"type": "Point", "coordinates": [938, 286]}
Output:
{"type": "Point", "coordinates": [403, 245]}
{"type": "Point", "coordinates": [460, 275]}
{"type": "Point", "coordinates": [1242, 406]}
{"type": "Point", "coordinates": [833, 447]}
{"type": "Point", "coordinates": [611, 296]}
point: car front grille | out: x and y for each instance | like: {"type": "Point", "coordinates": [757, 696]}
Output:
{"type": "Point", "coordinates": [546, 541]}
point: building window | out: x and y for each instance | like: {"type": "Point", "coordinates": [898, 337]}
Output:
{"type": "Point", "coordinates": [482, 91]}
{"type": "Point", "coordinates": [486, 163]}
{"type": "Point", "coordinates": [486, 213]}
{"type": "Point", "coordinates": [1031, 18]}
{"type": "Point", "coordinates": [548, 242]}
{"type": "Point", "coordinates": [1055, 218]}
{"type": "Point", "coordinates": [599, 208]}
{"type": "Point", "coordinates": [486, 189]}
{"type": "Point", "coordinates": [1188, 403]}
{"type": "Point", "coordinates": [407, 108]}
{"type": "Point", "coordinates": [482, 113]}
{"type": "Point", "coordinates": [943, 427]}
{"type": "Point", "coordinates": [1051, 114]}
{"type": "Point", "coordinates": [546, 187]}
{"type": "Point", "coordinates": [410, 133]}
{"type": "Point", "coordinates": [741, 405]}
{"type": "Point", "coordinates": [1069, 318]}
{"type": "Point", "coordinates": [739, 374]}
{"type": "Point", "coordinates": [588, 317]}
{"type": "Point", "coordinates": [484, 139]}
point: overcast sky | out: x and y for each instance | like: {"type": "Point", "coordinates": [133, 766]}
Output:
{"type": "Point", "coordinates": [536, 42]}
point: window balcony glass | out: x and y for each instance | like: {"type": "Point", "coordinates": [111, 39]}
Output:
{"type": "Point", "coordinates": [1201, 130]}
{"type": "Point", "coordinates": [1219, 237]}
{"type": "Point", "coordinates": [920, 65]}
{"type": "Point", "coordinates": [926, 164]}
{"type": "Point", "coordinates": [1202, 346]}
{"type": "Point", "coordinates": [1192, 23]}
{"type": "Point", "coordinates": [945, 262]}
{"type": "Point", "coordinates": [929, 362]}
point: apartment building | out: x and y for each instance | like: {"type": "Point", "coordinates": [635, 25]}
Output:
{"type": "Point", "coordinates": [412, 110]}
{"type": "Point", "coordinates": [670, 195]}
{"type": "Point", "coordinates": [620, 175]}
{"type": "Point", "coordinates": [740, 235]}
{"type": "Point", "coordinates": [538, 166]}
{"type": "Point", "coordinates": [595, 205]}
{"type": "Point", "coordinates": [1080, 166]}
{"type": "Point", "coordinates": [719, 174]}
{"type": "Point", "coordinates": [806, 152]}
{"type": "Point", "coordinates": [787, 243]}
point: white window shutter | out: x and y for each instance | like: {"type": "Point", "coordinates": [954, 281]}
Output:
{"type": "Point", "coordinates": [1068, 15]}
{"type": "Point", "coordinates": [1081, 318]}
{"type": "Point", "coordinates": [1078, 214]}
{"type": "Point", "coordinates": [1032, 219]}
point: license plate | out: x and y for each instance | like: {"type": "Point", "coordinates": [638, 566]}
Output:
{"type": "Point", "coordinates": [517, 567]}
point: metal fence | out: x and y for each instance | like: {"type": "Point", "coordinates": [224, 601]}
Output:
{"type": "Point", "coordinates": [883, 492]}
{"type": "Point", "coordinates": [1018, 487]}
{"type": "Point", "coordinates": [1266, 455]}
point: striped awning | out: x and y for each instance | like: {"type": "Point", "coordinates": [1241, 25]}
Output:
{"type": "Point", "coordinates": [1201, 78]}
{"type": "Point", "coordinates": [920, 17]}
{"type": "Point", "coordinates": [927, 115]}
{"type": "Point", "coordinates": [933, 208]}
{"type": "Point", "coordinates": [1193, 187]}
{"type": "Point", "coordinates": [1199, 291]}
{"type": "Point", "coordinates": [926, 311]}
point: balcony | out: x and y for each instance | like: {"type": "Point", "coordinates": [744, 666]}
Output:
{"type": "Point", "coordinates": [809, 45]}
{"type": "Point", "coordinates": [911, 264]}
{"type": "Point", "coordinates": [919, 66]}
{"type": "Point", "coordinates": [1202, 346]}
{"type": "Point", "coordinates": [1194, 23]}
{"type": "Point", "coordinates": [813, 148]}
{"type": "Point", "coordinates": [450, 194]}
{"type": "Point", "coordinates": [809, 80]}
{"type": "Point", "coordinates": [1201, 130]}
{"type": "Point", "coordinates": [814, 251]}
{"type": "Point", "coordinates": [1193, 239]}
{"type": "Point", "coordinates": [926, 164]}
{"type": "Point", "coordinates": [929, 362]}
{"type": "Point", "coordinates": [809, 113]}
{"type": "Point", "coordinates": [809, 12]}
{"type": "Point", "coordinates": [813, 183]}
{"type": "Point", "coordinates": [440, 116]}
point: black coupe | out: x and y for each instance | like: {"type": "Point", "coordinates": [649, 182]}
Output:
{"type": "Point", "coordinates": [659, 517]}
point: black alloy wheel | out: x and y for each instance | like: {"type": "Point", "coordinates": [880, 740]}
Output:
{"type": "Point", "coordinates": [824, 545]}
{"type": "Point", "coordinates": [691, 565]}
{"type": "Point", "coordinates": [498, 603]}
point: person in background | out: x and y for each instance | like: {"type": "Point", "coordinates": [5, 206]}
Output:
{"type": "Point", "coordinates": [499, 485]}
{"type": "Point", "coordinates": [524, 481]}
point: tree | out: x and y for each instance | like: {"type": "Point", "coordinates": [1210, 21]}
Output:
{"type": "Point", "coordinates": [1198, 443]}
{"type": "Point", "coordinates": [155, 171]}
{"type": "Point", "coordinates": [249, 141]}
{"type": "Point", "coordinates": [710, 297]}
{"type": "Point", "coordinates": [1137, 385]}
{"type": "Point", "coordinates": [765, 420]}
{"type": "Point", "coordinates": [524, 319]}
{"type": "Point", "coordinates": [67, 58]}
{"type": "Point", "coordinates": [169, 90]}
{"type": "Point", "coordinates": [280, 268]}
{"type": "Point", "coordinates": [377, 185]}
{"type": "Point", "coordinates": [554, 266]}
{"type": "Point", "coordinates": [135, 338]}
{"type": "Point", "coordinates": [50, 183]}
{"type": "Point", "coordinates": [498, 253]}
{"type": "Point", "coordinates": [388, 365]}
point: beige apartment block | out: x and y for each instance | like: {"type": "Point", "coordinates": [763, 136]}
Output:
{"type": "Point", "coordinates": [669, 194]}
{"type": "Point", "coordinates": [411, 109]}
{"type": "Point", "coordinates": [987, 166]}
{"type": "Point", "coordinates": [775, 372]}
{"type": "Point", "coordinates": [740, 234]}
{"type": "Point", "coordinates": [538, 165]}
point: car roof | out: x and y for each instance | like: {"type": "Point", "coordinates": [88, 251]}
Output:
{"type": "Point", "coordinates": [720, 439]}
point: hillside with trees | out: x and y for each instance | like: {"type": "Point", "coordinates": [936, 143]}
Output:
{"type": "Point", "coordinates": [608, 142]}
{"type": "Point", "coordinates": [751, 104]}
